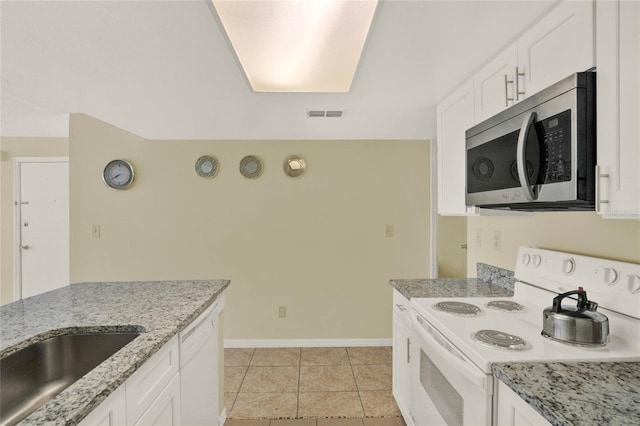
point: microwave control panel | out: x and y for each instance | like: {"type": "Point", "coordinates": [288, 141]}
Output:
{"type": "Point", "coordinates": [554, 134]}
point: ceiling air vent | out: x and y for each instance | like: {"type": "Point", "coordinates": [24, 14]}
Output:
{"type": "Point", "coordinates": [324, 114]}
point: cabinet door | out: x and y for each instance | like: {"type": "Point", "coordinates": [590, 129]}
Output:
{"type": "Point", "coordinates": [165, 409]}
{"type": "Point", "coordinates": [111, 412]}
{"type": "Point", "coordinates": [494, 84]}
{"type": "Point", "coordinates": [401, 367]}
{"type": "Point", "coordinates": [454, 116]}
{"type": "Point", "coordinates": [559, 45]}
{"type": "Point", "coordinates": [150, 379]}
{"type": "Point", "coordinates": [618, 98]}
{"type": "Point", "coordinates": [514, 411]}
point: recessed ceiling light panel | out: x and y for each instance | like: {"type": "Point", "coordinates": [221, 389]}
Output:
{"type": "Point", "coordinates": [297, 45]}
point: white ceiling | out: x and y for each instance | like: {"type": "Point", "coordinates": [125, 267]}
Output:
{"type": "Point", "coordinates": [164, 70]}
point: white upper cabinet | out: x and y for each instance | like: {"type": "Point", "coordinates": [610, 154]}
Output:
{"type": "Point", "coordinates": [454, 116]}
{"type": "Point", "coordinates": [618, 98]}
{"type": "Point", "coordinates": [559, 45]}
{"type": "Point", "coordinates": [494, 84]}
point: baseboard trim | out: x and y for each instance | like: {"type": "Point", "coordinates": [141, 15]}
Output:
{"type": "Point", "coordinates": [223, 417]}
{"type": "Point", "coordinates": [303, 343]}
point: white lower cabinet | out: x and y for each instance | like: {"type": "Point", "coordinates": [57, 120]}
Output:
{"type": "Point", "coordinates": [401, 383]}
{"type": "Point", "coordinates": [111, 412]}
{"type": "Point", "coordinates": [514, 411]}
{"type": "Point", "coordinates": [150, 380]}
{"type": "Point", "coordinates": [153, 395]}
{"type": "Point", "coordinates": [165, 409]}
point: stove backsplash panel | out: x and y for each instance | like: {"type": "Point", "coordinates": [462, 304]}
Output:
{"type": "Point", "coordinates": [494, 275]}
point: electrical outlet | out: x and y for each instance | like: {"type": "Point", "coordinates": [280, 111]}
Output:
{"type": "Point", "coordinates": [388, 231]}
{"type": "Point", "coordinates": [282, 312]}
{"type": "Point", "coordinates": [478, 238]}
{"type": "Point", "coordinates": [95, 231]}
{"type": "Point", "coordinates": [497, 240]}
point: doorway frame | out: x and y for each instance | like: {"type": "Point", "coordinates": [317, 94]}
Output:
{"type": "Point", "coordinates": [17, 214]}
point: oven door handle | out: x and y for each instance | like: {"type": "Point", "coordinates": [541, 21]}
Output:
{"type": "Point", "coordinates": [429, 334]}
{"type": "Point", "coordinates": [521, 157]}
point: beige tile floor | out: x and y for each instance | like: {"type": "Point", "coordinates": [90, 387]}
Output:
{"type": "Point", "coordinates": [310, 387]}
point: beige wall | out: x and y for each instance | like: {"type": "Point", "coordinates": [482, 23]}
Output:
{"type": "Point", "coordinates": [314, 244]}
{"type": "Point", "coordinates": [452, 258]}
{"type": "Point", "coordinates": [10, 148]}
{"type": "Point", "coordinates": [577, 232]}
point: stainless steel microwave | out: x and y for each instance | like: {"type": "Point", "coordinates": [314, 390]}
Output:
{"type": "Point", "coordinates": [539, 154]}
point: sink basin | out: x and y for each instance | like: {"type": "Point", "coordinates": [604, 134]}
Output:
{"type": "Point", "coordinates": [34, 375]}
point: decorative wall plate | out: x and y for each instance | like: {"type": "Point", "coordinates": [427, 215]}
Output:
{"type": "Point", "coordinates": [207, 167]}
{"type": "Point", "coordinates": [294, 166]}
{"type": "Point", "coordinates": [251, 167]}
{"type": "Point", "coordinates": [118, 174]}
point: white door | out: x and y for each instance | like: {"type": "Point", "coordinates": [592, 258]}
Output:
{"type": "Point", "coordinates": [42, 225]}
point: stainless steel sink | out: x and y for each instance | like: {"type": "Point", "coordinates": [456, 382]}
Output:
{"type": "Point", "coordinates": [35, 374]}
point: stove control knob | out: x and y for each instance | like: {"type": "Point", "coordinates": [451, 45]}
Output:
{"type": "Point", "coordinates": [526, 259]}
{"type": "Point", "coordinates": [611, 276]}
{"type": "Point", "coordinates": [568, 266]}
{"type": "Point", "coordinates": [634, 284]}
{"type": "Point", "coordinates": [537, 260]}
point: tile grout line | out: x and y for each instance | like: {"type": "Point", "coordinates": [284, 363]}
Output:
{"type": "Point", "coordinates": [299, 380]}
{"type": "Point", "coordinates": [356, 382]}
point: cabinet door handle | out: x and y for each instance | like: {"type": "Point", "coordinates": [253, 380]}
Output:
{"type": "Point", "coordinates": [507, 82]}
{"type": "Point", "coordinates": [517, 78]}
{"type": "Point", "coordinates": [402, 308]}
{"type": "Point", "coordinates": [408, 350]}
{"type": "Point", "coordinates": [599, 199]}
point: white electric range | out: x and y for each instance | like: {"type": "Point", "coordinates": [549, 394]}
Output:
{"type": "Point", "coordinates": [455, 340]}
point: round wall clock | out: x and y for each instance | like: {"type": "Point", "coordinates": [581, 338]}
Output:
{"type": "Point", "coordinates": [118, 174]}
{"type": "Point", "coordinates": [251, 167]}
{"type": "Point", "coordinates": [207, 167]}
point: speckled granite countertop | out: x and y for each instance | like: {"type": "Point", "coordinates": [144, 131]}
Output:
{"type": "Point", "coordinates": [160, 308]}
{"type": "Point", "coordinates": [579, 393]}
{"type": "Point", "coordinates": [491, 281]}
{"type": "Point", "coordinates": [449, 287]}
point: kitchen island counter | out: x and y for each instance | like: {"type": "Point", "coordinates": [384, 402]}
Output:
{"type": "Point", "coordinates": [160, 309]}
{"type": "Point", "coordinates": [577, 393]}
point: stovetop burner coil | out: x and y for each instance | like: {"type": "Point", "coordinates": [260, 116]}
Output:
{"type": "Point", "coordinates": [495, 339]}
{"type": "Point", "coordinates": [458, 308]}
{"type": "Point", "coordinates": [506, 306]}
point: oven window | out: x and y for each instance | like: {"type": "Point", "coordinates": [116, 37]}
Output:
{"type": "Point", "coordinates": [448, 402]}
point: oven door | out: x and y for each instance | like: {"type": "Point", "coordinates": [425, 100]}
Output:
{"type": "Point", "coordinates": [446, 387]}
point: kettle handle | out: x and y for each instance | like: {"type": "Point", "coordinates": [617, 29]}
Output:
{"type": "Point", "coordinates": [583, 302]}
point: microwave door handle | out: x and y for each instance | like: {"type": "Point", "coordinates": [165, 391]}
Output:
{"type": "Point", "coordinates": [522, 157]}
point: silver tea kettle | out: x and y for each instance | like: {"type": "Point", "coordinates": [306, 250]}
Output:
{"type": "Point", "coordinates": [579, 325]}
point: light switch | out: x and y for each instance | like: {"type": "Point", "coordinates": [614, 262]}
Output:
{"type": "Point", "coordinates": [95, 231]}
{"type": "Point", "coordinates": [282, 312]}
{"type": "Point", "coordinates": [497, 240]}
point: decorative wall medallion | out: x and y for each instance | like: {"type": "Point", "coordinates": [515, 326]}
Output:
{"type": "Point", "coordinates": [207, 167]}
{"type": "Point", "coordinates": [251, 167]}
{"type": "Point", "coordinates": [294, 166]}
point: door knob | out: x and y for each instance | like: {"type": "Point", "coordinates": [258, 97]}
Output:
{"type": "Point", "coordinates": [24, 247]}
